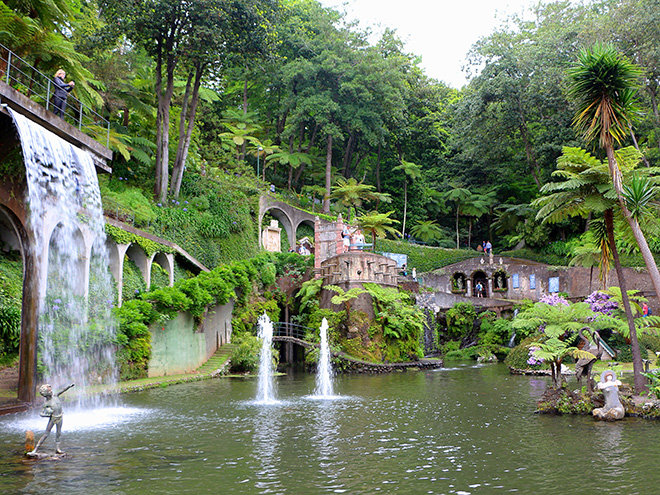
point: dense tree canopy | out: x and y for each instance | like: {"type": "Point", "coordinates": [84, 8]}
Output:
{"type": "Point", "coordinates": [290, 89]}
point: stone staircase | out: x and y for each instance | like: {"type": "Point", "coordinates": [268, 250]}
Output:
{"type": "Point", "coordinates": [218, 362]}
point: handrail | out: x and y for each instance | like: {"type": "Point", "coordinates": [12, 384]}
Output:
{"type": "Point", "coordinates": [39, 88]}
{"type": "Point", "coordinates": [282, 329]}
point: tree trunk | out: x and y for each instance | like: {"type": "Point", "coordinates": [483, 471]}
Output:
{"type": "Point", "coordinates": [348, 154]}
{"type": "Point", "coordinates": [290, 166]}
{"type": "Point", "coordinates": [180, 164]}
{"type": "Point", "coordinates": [529, 150]}
{"type": "Point", "coordinates": [638, 366]}
{"type": "Point", "coordinates": [632, 222]}
{"type": "Point", "coordinates": [458, 243]}
{"type": "Point", "coordinates": [159, 119]}
{"type": "Point", "coordinates": [405, 206]}
{"type": "Point", "coordinates": [378, 169]}
{"type": "Point", "coordinates": [328, 175]}
{"type": "Point", "coordinates": [245, 111]}
{"type": "Point", "coordinates": [182, 130]}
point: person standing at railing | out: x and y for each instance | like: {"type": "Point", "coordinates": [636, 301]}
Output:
{"type": "Point", "coordinates": [61, 93]}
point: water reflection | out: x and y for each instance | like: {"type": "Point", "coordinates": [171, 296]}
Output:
{"type": "Point", "coordinates": [468, 430]}
{"type": "Point", "coordinates": [266, 449]}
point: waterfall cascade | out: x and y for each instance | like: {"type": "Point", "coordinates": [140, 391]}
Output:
{"type": "Point", "coordinates": [76, 328]}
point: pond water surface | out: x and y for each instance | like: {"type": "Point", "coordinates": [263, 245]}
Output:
{"type": "Point", "coordinates": [464, 430]}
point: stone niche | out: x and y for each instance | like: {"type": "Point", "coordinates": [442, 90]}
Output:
{"type": "Point", "coordinates": [271, 237]}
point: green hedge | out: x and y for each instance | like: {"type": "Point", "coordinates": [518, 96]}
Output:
{"type": "Point", "coordinates": [425, 258]}
{"type": "Point", "coordinates": [192, 295]}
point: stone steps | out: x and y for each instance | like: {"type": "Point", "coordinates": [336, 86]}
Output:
{"type": "Point", "coordinates": [217, 361]}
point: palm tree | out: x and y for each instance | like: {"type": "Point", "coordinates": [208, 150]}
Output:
{"type": "Point", "coordinates": [352, 193]}
{"type": "Point", "coordinates": [428, 230]}
{"type": "Point", "coordinates": [413, 171]}
{"type": "Point", "coordinates": [557, 322]}
{"type": "Point", "coordinates": [379, 224]}
{"type": "Point", "coordinates": [586, 189]}
{"type": "Point", "coordinates": [458, 195]}
{"type": "Point", "coordinates": [603, 87]}
{"type": "Point", "coordinates": [476, 206]}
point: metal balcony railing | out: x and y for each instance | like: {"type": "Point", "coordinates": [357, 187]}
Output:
{"type": "Point", "coordinates": [26, 79]}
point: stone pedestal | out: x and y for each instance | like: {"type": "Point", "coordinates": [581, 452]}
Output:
{"type": "Point", "coordinates": [270, 237]}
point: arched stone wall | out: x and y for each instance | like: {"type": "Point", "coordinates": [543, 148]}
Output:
{"type": "Point", "coordinates": [289, 216]}
{"type": "Point", "coordinates": [284, 219]}
{"type": "Point", "coordinates": [78, 278]}
{"type": "Point", "coordinates": [137, 255]}
{"type": "Point", "coordinates": [166, 262]}
{"type": "Point", "coordinates": [480, 276]}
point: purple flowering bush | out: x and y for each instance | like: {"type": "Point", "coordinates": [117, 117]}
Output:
{"type": "Point", "coordinates": [554, 300]}
{"type": "Point", "coordinates": [533, 360]}
{"type": "Point", "coordinates": [601, 302]}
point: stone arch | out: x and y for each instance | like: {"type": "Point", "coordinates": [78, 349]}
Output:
{"type": "Point", "coordinates": [459, 282]}
{"type": "Point", "coordinates": [479, 277]}
{"type": "Point", "coordinates": [166, 262]}
{"type": "Point", "coordinates": [137, 255]}
{"type": "Point", "coordinates": [308, 223]}
{"type": "Point", "coordinates": [283, 217]}
{"type": "Point", "coordinates": [67, 265]}
{"type": "Point", "coordinates": [14, 235]}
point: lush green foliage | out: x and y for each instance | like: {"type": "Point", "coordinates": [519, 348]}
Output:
{"type": "Point", "coordinates": [193, 295]}
{"type": "Point", "coordinates": [11, 287]}
{"type": "Point", "coordinates": [520, 355]}
{"type": "Point", "coordinates": [460, 320]}
{"type": "Point", "coordinates": [133, 281]}
{"type": "Point", "coordinates": [401, 323]}
{"type": "Point", "coordinates": [245, 356]}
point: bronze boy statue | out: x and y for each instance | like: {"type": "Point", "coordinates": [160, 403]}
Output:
{"type": "Point", "coordinates": [53, 410]}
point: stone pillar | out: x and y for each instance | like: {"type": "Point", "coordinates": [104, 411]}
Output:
{"type": "Point", "coordinates": [32, 281]}
{"type": "Point", "coordinates": [468, 285]}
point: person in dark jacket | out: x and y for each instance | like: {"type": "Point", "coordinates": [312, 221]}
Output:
{"type": "Point", "coordinates": [62, 90]}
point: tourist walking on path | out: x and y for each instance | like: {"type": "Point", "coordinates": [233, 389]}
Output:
{"type": "Point", "coordinates": [61, 93]}
{"type": "Point", "coordinates": [489, 247]}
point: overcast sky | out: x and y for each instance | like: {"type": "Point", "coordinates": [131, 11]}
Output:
{"type": "Point", "coordinates": [441, 32]}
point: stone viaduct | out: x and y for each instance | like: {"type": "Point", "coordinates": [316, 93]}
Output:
{"type": "Point", "coordinates": [15, 234]}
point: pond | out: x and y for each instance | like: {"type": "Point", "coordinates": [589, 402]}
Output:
{"type": "Point", "coordinates": [465, 429]}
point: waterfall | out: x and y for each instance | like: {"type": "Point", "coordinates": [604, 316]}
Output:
{"type": "Point", "coordinates": [324, 387]}
{"type": "Point", "coordinates": [76, 329]}
{"type": "Point", "coordinates": [265, 385]}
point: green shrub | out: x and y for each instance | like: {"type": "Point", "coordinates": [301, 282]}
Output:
{"type": "Point", "coordinates": [496, 332]}
{"type": "Point", "coordinates": [133, 282]}
{"type": "Point", "coordinates": [245, 356]}
{"type": "Point", "coordinates": [460, 320]}
{"type": "Point", "coordinates": [159, 277]}
{"type": "Point", "coordinates": [451, 346]}
{"type": "Point", "coordinates": [518, 356]}
{"type": "Point", "coordinates": [245, 319]}
{"type": "Point", "coordinates": [126, 202]}
{"type": "Point", "coordinates": [11, 296]}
